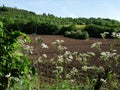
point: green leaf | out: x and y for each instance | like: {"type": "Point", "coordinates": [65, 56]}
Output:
{"type": "Point", "coordinates": [26, 70]}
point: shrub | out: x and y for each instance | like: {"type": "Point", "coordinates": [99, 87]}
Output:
{"type": "Point", "coordinates": [96, 30]}
{"type": "Point", "coordinates": [49, 29]}
{"type": "Point", "coordinates": [84, 35]}
{"type": "Point", "coordinates": [67, 28]}
{"type": "Point", "coordinates": [77, 34]}
{"type": "Point", "coordinates": [13, 63]}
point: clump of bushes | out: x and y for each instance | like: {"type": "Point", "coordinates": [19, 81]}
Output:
{"type": "Point", "coordinates": [67, 28]}
{"type": "Point", "coordinates": [14, 64]}
{"type": "Point", "coordinates": [96, 30]}
{"type": "Point", "coordinates": [34, 27]}
{"type": "Point", "coordinates": [78, 34]}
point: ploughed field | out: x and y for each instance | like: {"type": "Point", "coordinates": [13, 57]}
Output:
{"type": "Point", "coordinates": [73, 45]}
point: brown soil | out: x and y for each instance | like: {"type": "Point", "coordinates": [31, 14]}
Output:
{"type": "Point", "coordinates": [73, 45]}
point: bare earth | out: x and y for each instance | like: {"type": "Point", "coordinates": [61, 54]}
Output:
{"type": "Point", "coordinates": [73, 45]}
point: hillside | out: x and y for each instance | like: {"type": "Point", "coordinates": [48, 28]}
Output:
{"type": "Point", "coordinates": [30, 22]}
{"type": "Point", "coordinates": [14, 14]}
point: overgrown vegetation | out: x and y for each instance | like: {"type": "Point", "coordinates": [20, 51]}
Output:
{"type": "Point", "coordinates": [14, 64]}
{"type": "Point", "coordinates": [82, 76]}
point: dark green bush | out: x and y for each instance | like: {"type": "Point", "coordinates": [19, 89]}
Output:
{"type": "Point", "coordinates": [78, 34]}
{"type": "Point", "coordinates": [29, 28]}
{"type": "Point", "coordinates": [49, 29]}
{"type": "Point", "coordinates": [96, 30]}
{"type": "Point", "coordinates": [13, 63]}
{"type": "Point", "coordinates": [64, 29]}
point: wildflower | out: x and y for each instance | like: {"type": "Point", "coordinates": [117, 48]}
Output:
{"type": "Point", "coordinates": [97, 44]}
{"type": "Point", "coordinates": [114, 50]}
{"type": "Point", "coordinates": [60, 59]}
{"type": "Point", "coordinates": [68, 60]}
{"type": "Point", "coordinates": [72, 80]}
{"type": "Point", "coordinates": [108, 54]}
{"type": "Point", "coordinates": [44, 55]}
{"type": "Point", "coordinates": [101, 69]}
{"type": "Point", "coordinates": [104, 34]}
{"type": "Point", "coordinates": [61, 48]}
{"type": "Point", "coordinates": [114, 34]}
{"type": "Point", "coordinates": [67, 53]}
{"type": "Point", "coordinates": [85, 55]}
{"type": "Point", "coordinates": [74, 71]}
{"type": "Point", "coordinates": [8, 75]}
{"type": "Point", "coordinates": [16, 78]}
{"type": "Point", "coordinates": [22, 72]}
{"type": "Point", "coordinates": [78, 59]}
{"type": "Point", "coordinates": [103, 80]}
{"type": "Point", "coordinates": [40, 60]}
{"type": "Point", "coordinates": [59, 69]}
{"type": "Point", "coordinates": [31, 50]}
{"type": "Point", "coordinates": [105, 53]}
{"type": "Point", "coordinates": [75, 53]}
{"type": "Point", "coordinates": [70, 56]}
{"type": "Point", "coordinates": [65, 48]}
{"type": "Point", "coordinates": [25, 40]}
{"type": "Point", "coordinates": [57, 42]}
{"type": "Point", "coordinates": [29, 76]}
{"type": "Point", "coordinates": [21, 42]}
{"type": "Point", "coordinates": [84, 68]}
{"type": "Point", "coordinates": [68, 76]}
{"type": "Point", "coordinates": [28, 48]}
{"type": "Point", "coordinates": [39, 39]}
{"type": "Point", "coordinates": [53, 43]}
{"type": "Point", "coordinates": [113, 54]}
{"type": "Point", "coordinates": [118, 35]}
{"type": "Point", "coordinates": [44, 46]}
{"type": "Point", "coordinates": [91, 53]}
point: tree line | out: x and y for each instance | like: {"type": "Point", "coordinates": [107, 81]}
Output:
{"type": "Point", "coordinates": [30, 22]}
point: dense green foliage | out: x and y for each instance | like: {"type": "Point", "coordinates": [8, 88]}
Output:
{"type": "Point", "coordinates": [67, 28]}
{"type": "Point", "coordinates": [29, 22]}
{"type": "Point", "coordinates": [13, 63]}
{"type": "Point", "coordinates": [78, 34]}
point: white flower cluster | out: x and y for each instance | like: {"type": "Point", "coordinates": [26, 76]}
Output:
{"type": "Point", "coordinates": [44, 46]}
{"type": "Point", "coordinates": [60, 59]}
{"type": "Point", "coordinates": [8, 75]}
{"type": "Point", "coordinates": [107, 55]}
{"type": "Point", "coordinates": [28, 48]}
{"type": "Point", "coordinates": [97, 44]}
{"type": "Point", "coordinates": [57, 42]}
{"type": "Point", "coordinates": [74, 71]}
{"type": "Point", "coordinates": [104, 34]}
{"type": "Point", "coordinates": [59, 69]}
{"type": "Point", "coordinates": [61, 48]}
{"type": "Point", "coordinates": [85, 68]}
{"type": "Point", "coordinates": [116, 35]}
{"type": "Point", "coordinates": [44, 55]}
{"type": "Point", "coordinates": [39, 39]}
{"type": "Point", "coordinates": [68, 56]}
